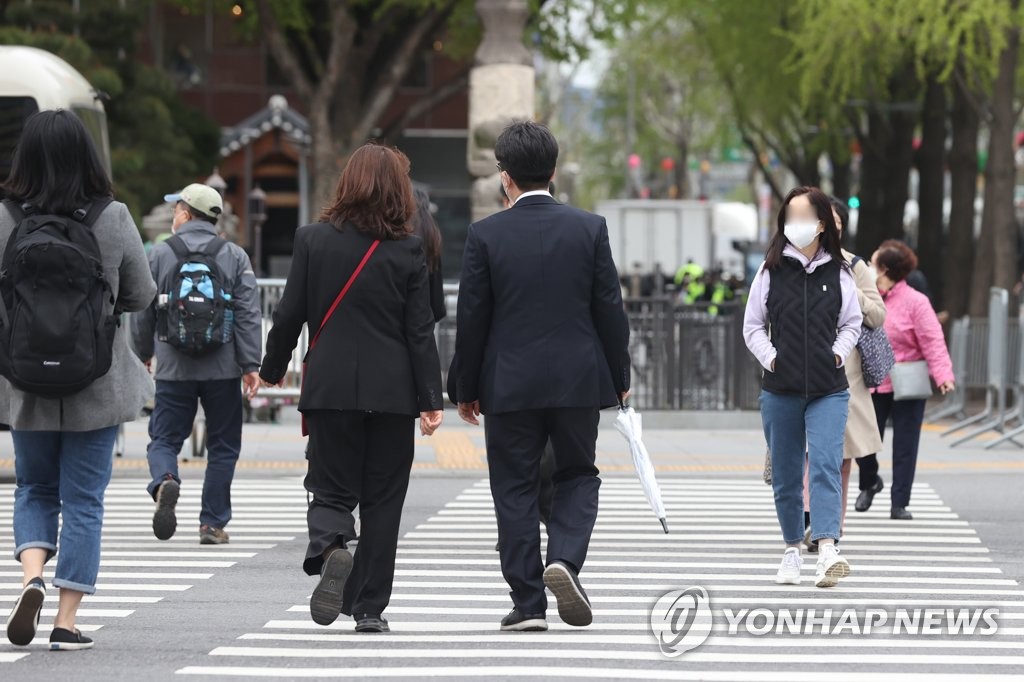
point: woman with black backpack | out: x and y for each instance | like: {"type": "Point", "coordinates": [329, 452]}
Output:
{"type": "Point", "coordinates": [73, 261]}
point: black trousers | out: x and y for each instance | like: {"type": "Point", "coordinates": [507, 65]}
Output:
{"type": "Point", "coordinates": [907, 418]}
{"type": "Point", "coordinates": [515, 444]}
{"type": "Point", "coordinates": [358, 458]}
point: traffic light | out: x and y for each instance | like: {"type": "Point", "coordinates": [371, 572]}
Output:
{"type": "Point", "coordinates": [854, 202]}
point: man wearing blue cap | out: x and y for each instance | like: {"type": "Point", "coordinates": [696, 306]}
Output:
{"type": "Point", "coordinates": [205, 331]}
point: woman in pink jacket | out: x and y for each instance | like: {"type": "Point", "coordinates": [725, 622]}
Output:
{"type": "Point", "coordinates": [915, 334]}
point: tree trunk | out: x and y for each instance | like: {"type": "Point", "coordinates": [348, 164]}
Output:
{"type": "Point", "coordinates": [325, 157]}
{"type": "Point", "coordinates": [931, 187]}
{"type": "Point", "coordinates": [842, 178]}
{"type": "Point", "coordinates": [871, 219]}
{"type": "Point", "coordinates": [998, 250]}
{"type": "Point", "coordinates": [963, 172]}
{"type": "Point", "coordinates": [900, 161]}
{"type": "Point", "coordinates": [682, 170]}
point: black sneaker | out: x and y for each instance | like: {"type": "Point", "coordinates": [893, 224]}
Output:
{"type": "Point", "coordinates": [573, 604]}
{"type": "Point", "coordinates": [370, 623]}
{"type": "Point", "coordinates": [68, 640]}
{"type": "Point", "coordinates": [24, 620]}
{"type": "Point", "coordinates": [517, 621]}
{"type": "Point", "coordinates": [165, 522]}
{"type": "Point", "coordinates": [325, 604]}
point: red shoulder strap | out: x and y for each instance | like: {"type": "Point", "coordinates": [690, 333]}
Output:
{"type": "Point", "coordinates": [344, 290]}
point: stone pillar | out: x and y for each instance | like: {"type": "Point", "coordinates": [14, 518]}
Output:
{"type": "Point", "coordinates": [501, 89]}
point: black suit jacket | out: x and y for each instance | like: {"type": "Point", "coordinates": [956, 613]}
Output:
{"type": "Point", "coordinates": [377, 352]}
{"type": "Point", "coordinates": [540, 317]}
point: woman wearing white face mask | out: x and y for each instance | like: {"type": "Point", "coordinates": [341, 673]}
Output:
{"type": "Point", "coordinates": [802, 321]}
{"type": "Point", "coordinates": [861, 427]}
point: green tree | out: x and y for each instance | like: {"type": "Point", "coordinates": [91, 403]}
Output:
{"type": "Point", "coordinates": [905, 50]}
{"type": "Point", "coordinates": [157, 142]}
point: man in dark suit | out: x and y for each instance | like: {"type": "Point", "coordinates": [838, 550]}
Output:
{"type": "Point", "coordinates": [543, 346]}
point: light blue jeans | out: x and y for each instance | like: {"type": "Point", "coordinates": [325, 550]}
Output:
{"type": "Point", "coordinates": [796, 427]}
{"type": "Point", "coordinates": [63, 474]}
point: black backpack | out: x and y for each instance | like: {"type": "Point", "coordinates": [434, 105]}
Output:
{"type": "Point", "coordinates": [55, 338]}
{"type": "Point", "coordinates": [196, 315]}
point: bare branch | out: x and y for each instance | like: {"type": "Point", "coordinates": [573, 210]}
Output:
{"type": "Point", "coordinates": [396, 69]}
{"type": "Point", "coordinates": [282, 52]}
{"type": "Point", "coordinates": [421, 107]}
{"type": "Point", "coordinates": [343, 33]}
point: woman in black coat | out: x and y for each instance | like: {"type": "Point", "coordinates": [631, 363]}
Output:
{"type": "Point", "coordinates": [360, 278]}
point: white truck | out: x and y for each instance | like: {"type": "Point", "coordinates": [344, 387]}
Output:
{"type": "Point", "coordinates": [646, 232]}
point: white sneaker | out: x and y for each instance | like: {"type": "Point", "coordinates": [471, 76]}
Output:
{"type": "Point", "coordinates": [789, 571]}
{"type": "Point", "coordinates": [831, 567]}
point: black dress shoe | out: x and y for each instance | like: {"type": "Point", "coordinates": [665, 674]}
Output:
{"type": "Point", "coordinates": [900, 514]}
{"type": "Point", "coordinates": [325, 604]}
{"type": "Point", "coordinates": [517, 621]}
{"type": "Point", "coordinates": [370, 623]}
{"type": "Point", "coordinates": [573, 603]}
{"type": "Point", "coordinates": [866, 497]}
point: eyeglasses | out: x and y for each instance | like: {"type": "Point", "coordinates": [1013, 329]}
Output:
{"type": "Point", "coordinates": [500, 169]}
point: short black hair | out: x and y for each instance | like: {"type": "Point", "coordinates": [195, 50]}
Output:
{"type": "Point", "coordinates": [56, 167]}
{"type": "Point", "coordinates": [197, 214]}
{"type": "Point", "coordinates": [528, 152]}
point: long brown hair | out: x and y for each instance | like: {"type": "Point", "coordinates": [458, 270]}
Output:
{"type": "Point", "coordinates": [829, 240]}
{"type": "Point", "coordinates": [374, 193]}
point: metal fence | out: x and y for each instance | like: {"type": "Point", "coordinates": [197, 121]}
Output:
{"type": "Point", "coordinates": [683, 358]}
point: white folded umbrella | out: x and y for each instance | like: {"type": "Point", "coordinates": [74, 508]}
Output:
{"type": "Point", "coordinates": [630, 425]}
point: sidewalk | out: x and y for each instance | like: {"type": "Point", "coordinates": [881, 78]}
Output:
{"type": "Point", "coordinates": [684, 449]}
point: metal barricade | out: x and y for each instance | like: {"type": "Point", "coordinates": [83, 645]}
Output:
{"type": "Point", "coordinates": [994, 417]}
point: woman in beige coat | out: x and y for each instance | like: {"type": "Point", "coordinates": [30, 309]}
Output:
{"type": "Point", "coordinates": [862, 436]}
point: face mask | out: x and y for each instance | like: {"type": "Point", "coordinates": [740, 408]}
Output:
{"type": "Point", "coordinates": [801, 234]}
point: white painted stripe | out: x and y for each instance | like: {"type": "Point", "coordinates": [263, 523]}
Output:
{"type": "Point", "coordinates": [642, 562]}
{"type": "Point", "coordinates": [600, 543]}
{"type": "Point", "coordinates": [673, 538]}
{"type": "Point", "coordinates": [87, 612]}
{"type": "Point", "coordinates": [653, 591]}
{"type": "Point", "coordinates": [487, 551]}
{"type": "Point", "coordinates": [596, 575]}
{"type": "Point", "coordinates": [557, 638]}
{"type": "Point", "coordinates": [117, 587]}
{"type": "Point", "coordinates": [124, 563]}
{"type": "Point", "coordinates": [140, 576]}
{"type": "Point", "coordinates": [491, 625]}
{"type": "Point", "coordinates": [659, 588]}
{"type": "Point", "coordinates": [605, 655]}
{"type": "Point", "coordinates": [7, 657]}
{"type": "Point", "coordinates": [98, 599]}
{"type": "Point", "coordinates": [767, 526]}
{"type": "Point", "coordinates": [614, 613]}
{"type": "Point", "coordinates": [171, 554]}
{"type": "Point", "coordinates": [551, 672]}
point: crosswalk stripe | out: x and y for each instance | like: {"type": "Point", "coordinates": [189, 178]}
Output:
{"type": "Point", "coordinates": [137, 570]}
{"type": "Point", "coordinates": [449, 594]}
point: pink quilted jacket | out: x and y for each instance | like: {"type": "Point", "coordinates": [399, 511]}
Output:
{"type": "Point", "coordinates": [915, 333]}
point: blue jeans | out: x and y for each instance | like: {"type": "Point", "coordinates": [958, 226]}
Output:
{"type": "Point", "coordinates": [174, 413]}
{"type": "Point", "coordinates": [797, 427]}
{"type": "Point", "coordinates": [63, 474]}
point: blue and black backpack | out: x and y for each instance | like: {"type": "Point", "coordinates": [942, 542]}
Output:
{"type": "Point", "coordinates": [196, 315]}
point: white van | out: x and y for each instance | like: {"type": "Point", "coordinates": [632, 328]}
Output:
{"type": "Point", "coordinates": [34, 80]}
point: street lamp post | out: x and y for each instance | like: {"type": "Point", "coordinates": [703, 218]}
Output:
{"type": "Point", "coordinates": [258, 216]}
{"type": "Point", "coordinates": [217, 182]}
